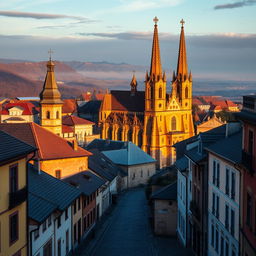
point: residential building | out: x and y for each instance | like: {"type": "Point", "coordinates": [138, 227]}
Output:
{"type": "Point", "coordinates": [210, 123]}
{"type": "Point", "coordinates": [55, 155]}
{"type": "Point", "coordinates": [89, 185]}
{"type": "Point", "coordinates": [14, 155]}
{"type": "Point", "coordinates": [19, 112]}
{"type": "Point", "coordinates": [165, 210]}
{"type": "Point", "coordinates": [83, 129]}
{"type": "Point", "coordinates": [50, 215]}
{"type": "Point", "coordinates": [152, 119]}
{"type": "Point", "coordinates": [138, 165]}
{"type": "Point", "coordinates": [224, 195]}
{"type": "Point", "coordinates": [248, 184]}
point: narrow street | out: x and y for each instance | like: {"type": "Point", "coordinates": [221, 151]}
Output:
{"type": "Point", "coordinates": [127, 232]}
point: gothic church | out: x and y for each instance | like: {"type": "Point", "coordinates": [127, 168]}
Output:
{"type": "Point", "coordinates": [152, 119]}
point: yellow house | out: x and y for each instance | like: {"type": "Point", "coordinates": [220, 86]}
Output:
{"type": "Point", "coordinates": [56, 156]}
{"type": "Point", "coordinates": [13, 195]}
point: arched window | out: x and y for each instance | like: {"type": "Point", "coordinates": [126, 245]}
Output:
{"type": "Point", "coordinates": [140, 138]}
{"type": "Point", "coordinates": [129, 135]}
{"type": "Point", "coordinates": [119, 134]}
{"type": "Point", "coordinates": [173, 123]}
{"type": "Point", "coordinates": [57, 115]}
{"type": "Point", "coordinates": [152, 92]}
{"type": "Point", "coordinates": [110, 133]}
{"type": "Point", "coordinates": [160, 92]}
{"type": "Point", "coordinates": [186, 92]}
{"type": "Point", "coordinates": [149, 95]}
{"type": "Point", "coordinates": [48, 115]}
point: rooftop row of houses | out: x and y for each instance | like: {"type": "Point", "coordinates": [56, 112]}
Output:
{"type": "Point", "coordinates": [216, 188]}
{"type": "Point", "coordinates": [53, 192]}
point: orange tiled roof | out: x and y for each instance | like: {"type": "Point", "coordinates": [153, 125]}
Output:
{"type": "Point", "coordinates": [28, 108]}
{"type": "Point", "coordinates": [74, 120]}
{"type": "Point", "coordinates": [67, 129]}
{"type": "Point", "coordinates": [69, 106]}
{"type": "Point", "coordinates": [50, 146]}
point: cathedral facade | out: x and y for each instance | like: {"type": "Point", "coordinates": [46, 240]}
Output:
{"type": "Point", "coordinates": [152, 119]}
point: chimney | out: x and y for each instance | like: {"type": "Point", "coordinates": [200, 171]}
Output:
{"type": "Point", "coordinates": [75, 146]}
{"type": "Point", "coordinates": [37, 165]}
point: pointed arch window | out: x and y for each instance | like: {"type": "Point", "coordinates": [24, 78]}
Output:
{"type": "Point", "coordinates": [186, 92]}
{"type": "Point", "coordinates": [173, 123]}
{"type": "Point", "coordinates": [160, 92]}
{"type": "Point", "coordinates": [149, 94]}
{"type": "Point", "coordinates": [57, 115]}
{"type": "Point", "coordinates": [48, 115]}
{"type": "Point", "coordinates": [152, 92]}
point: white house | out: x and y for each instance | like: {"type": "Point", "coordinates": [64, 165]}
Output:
{"type": "Point", "coordinates": [49, 213]}
{"type": "Point", "coordinates": [224, 192]}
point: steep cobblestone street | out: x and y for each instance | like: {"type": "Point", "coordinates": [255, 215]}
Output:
{"type": "Point", "coordinates": [127, 232]}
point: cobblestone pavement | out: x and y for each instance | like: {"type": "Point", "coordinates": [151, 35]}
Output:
{"type": "Point", "coordinates": [126, 231]}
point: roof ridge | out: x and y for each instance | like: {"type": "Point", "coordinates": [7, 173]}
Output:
{"type": "Point", "coordinates": [163, 188]}
{"type": "Point", "coordinates": [36, 139]}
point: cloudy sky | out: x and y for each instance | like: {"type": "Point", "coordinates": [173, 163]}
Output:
{"type": "Point", "coordinates": [220, 34]}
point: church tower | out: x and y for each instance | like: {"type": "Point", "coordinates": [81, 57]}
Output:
{"type": "Point", "coordinates": [182, 80]}
{"type": "Point", "coordinates": [51, 103]}
{"type": "Point", "coordinates": [155, 103]}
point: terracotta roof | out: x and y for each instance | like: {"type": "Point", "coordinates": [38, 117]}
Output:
{"type": "Point", "coordinates": [74, 120]}
{"type": "Point", "coordinates": [86, 96]}
{"type": "Point", "coordinates": [231, 103]}
{"type": "Point", "coordinates": [28, 108]}
{"type": "Point", "coordinates": [69, 106]}
{"type": "Point", "coordinates": [67, 129]}
{"type": "Point", "coordinates": [196, 101]}
{"type": "Point", "coordinates": [124, 101]}
{"type": "Point", "coordinates": [50, 146]}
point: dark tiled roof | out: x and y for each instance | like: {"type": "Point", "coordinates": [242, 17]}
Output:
{"type": "Point", "coordinates": [92, 107]}
{"type": "Point", "coordinates": [229, 148]}
{"type": "Point", "coordinates": [124, 101]}
{"type": "Point", "coordinates": [11, 147]}
{"type": "Point", "coordinates": [168, 192]}
{"type": "Point", "coordinates": [105, 145]}
{"type": "Point", "coordinates": [247, 116]}
{"type": "Point", "coordinates": [181, 164]}
{"type": "Point", "coordinates": [47, 194]}
{"type": "Point", "coordinates": [103, 166]}
{"type": "Point", "coordinates": [195, 155]}
{"type": "Point", "coordinates": [50, 146]}
{"type": "Point", "coordinates": [86, 181]}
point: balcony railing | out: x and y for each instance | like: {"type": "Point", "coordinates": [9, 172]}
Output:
{"type": "Point", "coordinates": [195, 209]}
{"type": "Point", "coordinates": [17, 197]}
{"type": "Point", "coordinates": [247, 161]}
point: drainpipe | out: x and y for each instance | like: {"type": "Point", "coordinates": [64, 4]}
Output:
{"type": "Point", "coordinates": [27, 220]}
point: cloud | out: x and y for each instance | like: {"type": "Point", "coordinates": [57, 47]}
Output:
{"type": "Point", "coordinates": [235, 4]}
{"type": "Point", "coordinates": [40, 16]}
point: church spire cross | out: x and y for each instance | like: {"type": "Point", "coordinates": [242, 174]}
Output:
{"type": "Point", "coordinates": [155, 20]}
{"type": "Point", "coordinates": [50, 54]}
{"type": "Point", "coordinates": [182, 22]}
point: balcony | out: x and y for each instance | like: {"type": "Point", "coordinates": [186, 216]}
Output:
{"type": "Point", "coordinates": [195, 209]}
{"type": "Point", "coordinates": [17, 197]}
{"type": "Point", "coordinates": [247, 161]}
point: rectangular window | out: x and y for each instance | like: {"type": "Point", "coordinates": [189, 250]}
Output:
{"type": "Point", "coordinates": [49, 221]}
{"type": "Point", "coordinates": [66, 214]}
{"type": "Point", "coordinates": [249, 210]}
{"type": "Point", "coordinates": [75, 233]}
{"type": "Point", "coordinates": [250, 142]}
{"type": "Point", "coordinates": [213, 203]}
{"type": "Point", "coordinates": [44, 226]}
{"type": "Point", "coordinates": [67, 242]}
{"type": "Point", "coordinates": [13, 172]}
{"type": "Point", "coordinates": [232, 222]}
{"type": "Point", "coordinates": [227, 217]}
{"type": "Point", "coordinates": [58, 174]}
{"type": "Point", "coordinates": [212, 236]}
{"type": "Point", "coordinates": [217, 240]}
{"type": "Point", "coordinates": [59, 247]}
{"type": "Point", "coordinates": [227, 248]}
{"type": "Point", "coordinates": [233, 185]}
{"type": "Point", "coordinates": [79, 205]}
{"type": "Point", "coordinates": [217, 206]}
{"type": "Point", "coordinates": [36, 234]}
{"type": "Point", "coordinates": [218, 175]}
{"type": "Point", "coordinates": [14, 227]}
{"type": "Point", "coordinates": [85, 223]}
{"type": "Point", "coordinates": [214, 172]}
{"type": "Point", "coordinates": [222, 246]}
{"type": "Point", "coordinates": [74, 207]}
{"type": "Point", "coordinates": [59, 221]}
{"type": "Point", "coordinates": [227, 181]}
